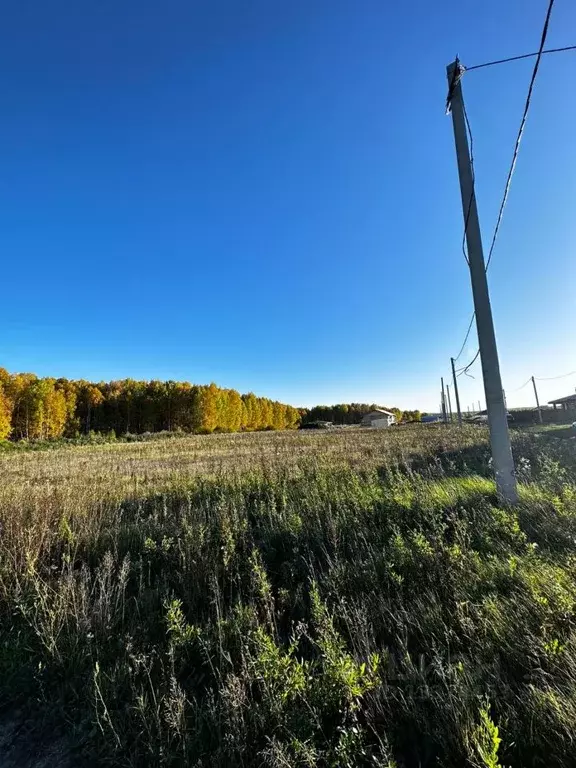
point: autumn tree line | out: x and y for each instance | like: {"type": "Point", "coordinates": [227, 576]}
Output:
{"type": "Point", "coordinates": [46, 408]}
{"type": "Point", "coordinates": [352, 413]}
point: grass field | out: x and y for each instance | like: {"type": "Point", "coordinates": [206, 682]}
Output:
{"type": "Point", "coordinates": [345, 598]}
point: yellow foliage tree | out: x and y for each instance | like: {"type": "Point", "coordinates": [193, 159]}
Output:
{"type": "Point", "coordinates": [206, 409]}
{"type": "Point", "coordinates": [35, 408]}
{"type": "Point", "coordinates": [5, 415]}
{"type": "Point", "coordinates": [45, 408]}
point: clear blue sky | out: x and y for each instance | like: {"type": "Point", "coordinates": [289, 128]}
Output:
{"type": "Point", "coordinates": [264, 194]}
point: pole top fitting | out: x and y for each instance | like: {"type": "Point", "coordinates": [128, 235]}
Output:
{"type": "Point", "coordinates": [455, 71]}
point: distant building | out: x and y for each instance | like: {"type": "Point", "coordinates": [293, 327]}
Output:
{"type": "Point", "coordinates": [566, 403]}
{"type": "Point", "coordinates": [378, 419]}
{"type": "Point", "coordinates": [430, 418]}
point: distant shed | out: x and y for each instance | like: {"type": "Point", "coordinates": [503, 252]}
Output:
{"type": "Point", "coordinates": [378, 418]}
{"type": "Point", "coordinates": [566, 403]}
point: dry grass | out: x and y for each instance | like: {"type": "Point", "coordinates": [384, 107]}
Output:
{"type": "Point", "coordinates": [293, 599]}
{"type": "Point", "coordinates": [119, 468]}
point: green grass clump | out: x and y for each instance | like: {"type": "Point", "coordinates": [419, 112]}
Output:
{"type": "Point", "coordinates": [285, 600]}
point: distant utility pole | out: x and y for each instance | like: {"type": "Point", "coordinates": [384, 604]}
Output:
{"type": "Point", "coordinates": [444, 414]}
{"type": "Point", "coordinates": [479, 406]}
{"type": "Point", "coordinates": [497, 417]}
{"type": "Point", "coordinates": [537, 401]}
{"type": "Point", "coordinates": [456, 392]}
{"type": "Point", "coordinates": [449, 402]}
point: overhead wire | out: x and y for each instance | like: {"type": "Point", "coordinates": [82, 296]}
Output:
{"type": "Point", "coordinates": [466, 337]}
{"type": "Point", "coordinates": [523, 56]}
{"type": "Point", "coordinates": [458, 72]}
{"type": "Point", "coordinates": [523, 385]}
{"type": "Point", "coordinates": [543, 378]}
{"type": "Point", "coordinates": [466, 368]}
{"type": "Point", "coordinates": [473, 192]}
{"type": "Point", "coordinates": [466, 220]}
{"type": "Point", "coordinates": [520, 132]}
{"type": "Point", "coordinates": [553, 378]}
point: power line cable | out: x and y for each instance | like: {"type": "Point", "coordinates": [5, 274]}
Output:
{"type": "Point", "coordinates": [466, 368]}
{"type": "Point", "coordinates": [523, 56]}
{"type": "Point", "coordinates": [520, 132]}
{"type": "Point", "coordinates": [467, 219]}
{"type": "Point", "coordinates": [466, 337]}
{"type": "Point", "coordinates": [523, 385]}
{"type": "Point", "coordinates": [544, 378]}
{"type": "Point", "coordinates": [457, 75]}
{"type": "Point", "coordinates": [473, 192]}
{"type": "Point", "coordinates": [553, 378]}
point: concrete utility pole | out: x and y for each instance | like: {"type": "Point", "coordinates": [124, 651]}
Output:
{"type": "Point", "coordinates": [497, 417]}
{"type": "Point", "coordinates": [444, 414]}
{"type": "Point", "coordinates": [537, 401]}
{"type": "Point", "coordinates": [456, 392]}
{"type": "Point", "coordinates": [449, 402]}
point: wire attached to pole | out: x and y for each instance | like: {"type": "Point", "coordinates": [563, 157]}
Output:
{"type": "Point", "coordinates": [523, 56]}
{"type": "Point", "coordinates": [466, 368]}
{"type": "Point", "coordinates": [456, 77]}
{"type": "Point", "coordinates": [523, 385]}
{"type": "Point", "coordinates": [520, 132]}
